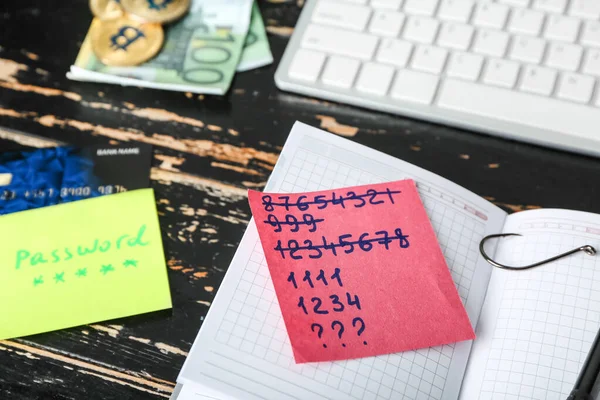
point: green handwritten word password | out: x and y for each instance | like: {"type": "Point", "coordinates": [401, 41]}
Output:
{"type": "Point", "coordinates": [32, 258]}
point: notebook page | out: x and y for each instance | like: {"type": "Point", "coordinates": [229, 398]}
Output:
{"type": "Point", "coordinates": [243, 350]}
{"type": "Point", "coordinates": [537, 325]}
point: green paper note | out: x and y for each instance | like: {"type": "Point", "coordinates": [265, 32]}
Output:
{"type": "Point", "coordinates": [81, 262]}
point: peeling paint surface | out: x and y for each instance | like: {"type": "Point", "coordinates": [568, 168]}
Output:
{"type": "Point", "coordinates": [330, 124]}
{"type": "Point", "coordinates": [9, 69]}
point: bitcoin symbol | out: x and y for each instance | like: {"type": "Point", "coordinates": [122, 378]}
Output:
{"type": "Point", "coordinates": [158, 4]}
{"type": "Point", "coordinates": [125, 37]}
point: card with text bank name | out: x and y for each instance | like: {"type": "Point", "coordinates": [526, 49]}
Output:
{"type": "Point", "coordinates": [82, 262]}
{"type": "Point", "coordinates": [43, 177]}
{"type": "Point", "coordinates": [358, 271]}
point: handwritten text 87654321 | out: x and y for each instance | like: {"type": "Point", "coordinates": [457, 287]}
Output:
{"type": "Point", "coordinates": [322, 201]}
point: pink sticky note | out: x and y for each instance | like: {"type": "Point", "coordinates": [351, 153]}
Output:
{"type": "Point", "coordinates": [358, 271]}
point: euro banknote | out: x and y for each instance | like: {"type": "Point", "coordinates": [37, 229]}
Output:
{"type": "Point", "coordinates": [256, 52]}
{"type": "Point", "coordinates": [200, 54]}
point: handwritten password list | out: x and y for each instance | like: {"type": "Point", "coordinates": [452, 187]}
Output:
{"type": "Point", "coordinates": [358, 271]}
{"type": "Point", "coordinates": [81, 262]}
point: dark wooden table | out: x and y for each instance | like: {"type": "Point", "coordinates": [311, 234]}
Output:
{"type": "Point", "coordinates": [208, 151]}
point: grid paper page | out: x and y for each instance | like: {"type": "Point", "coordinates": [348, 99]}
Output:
{"type": "Point", "coordinates": [250, 332]}
{"type": "Point", "coordinates": [545, 318]}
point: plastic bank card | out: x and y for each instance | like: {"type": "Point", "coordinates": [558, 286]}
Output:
{"type": "Point", "coordinates": [38, 178]}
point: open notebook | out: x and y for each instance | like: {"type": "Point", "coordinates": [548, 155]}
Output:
{"type": "Point", "coordinates": [534, 327]}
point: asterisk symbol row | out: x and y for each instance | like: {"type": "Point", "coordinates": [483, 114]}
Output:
{"type": "Point", "coordinates": [59, 277]}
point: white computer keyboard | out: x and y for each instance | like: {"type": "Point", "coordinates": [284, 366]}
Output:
{"type": "Point", "coordinates": [524, 69]}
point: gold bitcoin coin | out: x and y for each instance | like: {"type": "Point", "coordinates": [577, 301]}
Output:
{"type": "Point", "coordinates": [161, 11]}
{"type": "Point", "coordinates": [106, 9]}
{"type": "Point", "coordinates": [125, 41]}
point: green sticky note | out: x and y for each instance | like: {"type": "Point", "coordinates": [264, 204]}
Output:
{"type": "Point", "coordinates": [81, 262]}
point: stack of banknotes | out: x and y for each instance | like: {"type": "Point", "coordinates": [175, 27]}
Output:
{"type": "Point", "coordinates": [200, 52]}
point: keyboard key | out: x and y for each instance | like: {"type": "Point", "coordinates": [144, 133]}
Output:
{"type": "Point", "coordinates": [420, 29]}
{"type": "Point", "coordinates": [420, 7]}
{"type": "Point", "coordinates": [395, 52]}
{"type": "Point", "coordinates": [526, 21]}
{"type": "Point", "coordinates": [386, 23]}
{"type": "Point", "coordinates": [415, 87]}
{"type": "Point", "coordinates": [465, 66]}
{"type": "Point", "coordinates": [561, 28]}
{"type": "Point", "coordinates": [564, 56]}
{"type": "Point", "coordinates": [554, 6]}
{"type": "Point", "coordinates": [306, 65]}
{"type": "Point", "coordinates": [588, 9]}
{"type": "Point", "coordinates": [490, 15]}
{"type": "Point", "coordinates": [575, 87]}
{"type": "Point", "coordinates": [375, 78]}
{"type": "Point", "coordinates": [501, 73]}
{"type": "Point", "coordinates": [429, 59]}
{"type": "Point", "coordinates": [340, 71]}
{"type": "Point", "coordinates": [538, 80]}
{"type": "Point", "coordinates": [455, 10]}
{"type": "Point", "coordinates": [492, 43]}
{"type": "Point", "coordinates": [516, 3]}
{"type": "Point", "coordinates": [340, 14]}
{"type": "Point", "coordinates": [591, 65]}
{"type": "Point", "coordinates": [354, 1]}
{"type": "Point", "coordinates": [386, 4]}
{"type": "Point", "coordinates": [455, 36]}
{"type": "Point", "coordinates": [527, 49]}
{"type": "Point", "coordinates": [591, 34]}
{"type": "Point", "coordinates": [520, 108]}
{"type": "Point", "coordinates": [339, 41]}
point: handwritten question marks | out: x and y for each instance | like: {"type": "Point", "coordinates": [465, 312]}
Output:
{"type": "Point", "coordinates": [338, 328]}
{"type": "Point", "coordinates": [320, 333]}
{"type": "Point", "coordinates": [362, 327]}
{"type": "Point", "coordinates": [340, 331]}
